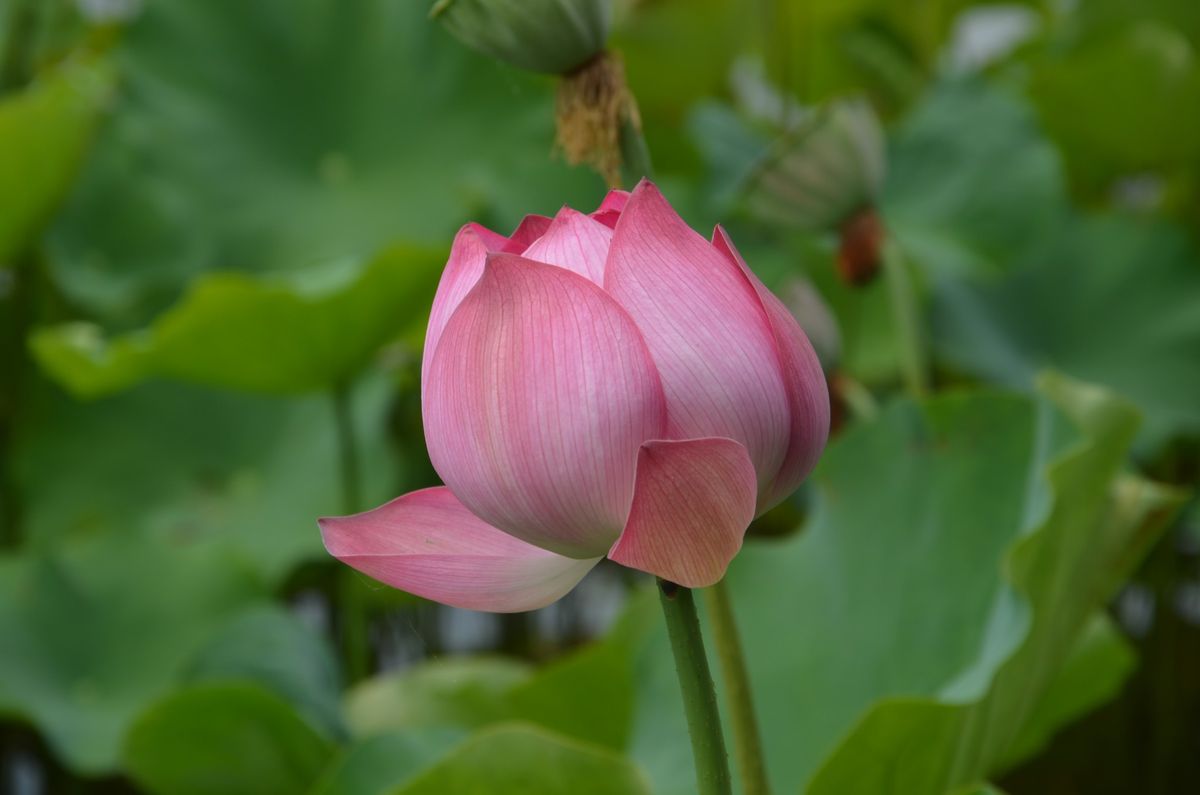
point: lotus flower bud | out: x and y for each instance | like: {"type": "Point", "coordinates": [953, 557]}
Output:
{"type": "Point", "coordinates": [549, 36]}
{"type": "Point", "coordinates": [828, 174]}
{"type": "Point", "coordinates": [823, 171]}
{"type": "Point", "coordinates": [594, 385]}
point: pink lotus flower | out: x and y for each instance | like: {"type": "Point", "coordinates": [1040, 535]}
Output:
{"type": "Point", "coordinates": [595, 385]}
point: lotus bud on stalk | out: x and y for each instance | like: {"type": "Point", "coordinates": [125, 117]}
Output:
{"type": "Point", "coordinates": [609, 384]}
{"type": "Point", "coordinates": [827, 174]}
{"type": "Point", "coordinates": [596, 116]}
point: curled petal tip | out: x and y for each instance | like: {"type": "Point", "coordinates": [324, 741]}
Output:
{"type": "Point", "coordinates": [692, 504]}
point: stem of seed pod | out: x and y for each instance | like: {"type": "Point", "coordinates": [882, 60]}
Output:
{"type": "Point", "coordinates": [16, 67]}
{"type": "Point", "coordinates": [352, 608]}
{"type": "Point", "coordinates": [635, 154]}
{"type": "Point", "coordinates": [747, 744]}
{"type": "Point", "coordinates": [906, 314]}
{"type": "Point", "coordinates": [696, 685]}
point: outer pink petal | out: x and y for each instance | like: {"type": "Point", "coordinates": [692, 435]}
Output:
{"type": "Point", "coordinates": [575, 242]}
{"type": "Point", "coordinates": [539, 397]}
{"type": "Point", "coordinates": [693, 502]}
{"type": "Point", "coordinates": [429, 544]}
{"type": "Point", "coordinates": [467, 255]}
{"type": "Point", "coordinates": [530, 229]}
{"type": "Point", "coordinates": [808, 394]}
{"type": "Point", "coordinates": [706, 330]}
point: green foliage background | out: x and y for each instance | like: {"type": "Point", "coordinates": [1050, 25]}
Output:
{"type": "Point", "coordinates": [221, 224]}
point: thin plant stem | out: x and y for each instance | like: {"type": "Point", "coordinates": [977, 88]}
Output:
{"type": "Point", "coordinates": [636, 163]}
{"type": "Point", "coordinates": [18, 314]}
{"type": "Point", "coordinates": [351, 596]}
{"type": "Point", "coordinates": [907, 315]}
{"type": "Point", "coordinates": [16, 50]}
{"type": "Point", "coordinates": [747, 744]}
{"type": "Point", "coordinates": [696, 684]}
{"type": "Point", "coordinates": [635, 155]}
{"type": "Point", "coordinates": [858, 398]}
{"type": "Point", "coordinates": [348, 464]}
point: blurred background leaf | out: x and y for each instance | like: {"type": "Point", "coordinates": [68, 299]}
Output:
{"type": "Point", "coordinates": [380, 764]}
{"type": "Point", "coordinates": [208, 198]}
{"type": "Point", "coordinates": [512, 760]}
{"type": "Point", "coordinates": [274, 648]}
{"type": "Point", "coordinates": [315, 330]}
{"type": "Point", "coordinates": [308, 140]}
{"type": "Point", "coordinates": [1076, 304]}
{"type": "Point", "coordinates": [44, 132]}
{"type": "Point", "coordinates": [972, 181]}
{"type": "Point", "coordinates": [249, 475]}
{"type": "Point", "coordinates": [232, 738]}
{"type": "Point", "coordinates": [98, 628]}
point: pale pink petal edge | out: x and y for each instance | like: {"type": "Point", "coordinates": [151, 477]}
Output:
{"type": "Point", "coordinates": [427, 543]}
{"type": "Point", "coordinates": [575, 242]}
{"type": "Point", "coordinates": [804, 380]}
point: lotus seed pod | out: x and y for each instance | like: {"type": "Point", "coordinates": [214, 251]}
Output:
{"type": "Point", "coordinates": [549, 36]}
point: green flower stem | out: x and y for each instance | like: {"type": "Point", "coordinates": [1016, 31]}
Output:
{"type": "Point", "coordinates": [695, 681]}
{"type": "Point", "coordinates": [351, 602]}
{"type": "Point", "coordinates": [348, 464]}
{"type": "Point", "coordinates": [635, 155]}
{"type": "Point", "coordinates": [906, 314]}
{"type": "Point", "coordinates": [858, 398]}
{"type": "Point", "coordinates": [16, 312]}
{"type": "Point", "coordinates": [747, 745]}
{"type": "Point", "coordinates": [16, 66]}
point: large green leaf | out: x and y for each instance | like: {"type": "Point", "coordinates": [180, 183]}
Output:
{"type": "Point", "coordinates": [1147, 117]}
{"type": "Point", "coordinates": [377, 765]}
{"type": "Point", "coordinates": [1108, 299]}
{"type": "Point", "coordinates": [516, 759]}
{"type": "Point", "coordinates": [1091, 675]}
{"type": "Point", "coordinates": [311, 331]}
{"type": "Point", "coordinates": [152, 519]}
{"type": "Point", "coordinates": [317, 131]}
{"type": "Point", "coordinates": [464, 693]}
{"type": "Point", "coordinates": [587, 694]}
{"type": "Point", "coordinates": [98, 628]}
{"type": "Point", "coordinates": [824, 48]}
{"type": "Point", "coordinates": [195, 468]}
{"type": "Point", "coordinates": [236, 739]}
{"type": "Point", "coordinates": [972, 180]}
{"type": "Point", "coordinates": [905, 638]}
{"type": "Point", "coordinates": [44, 132]}
{"type": "Point", "coordinates": [271, 647]}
